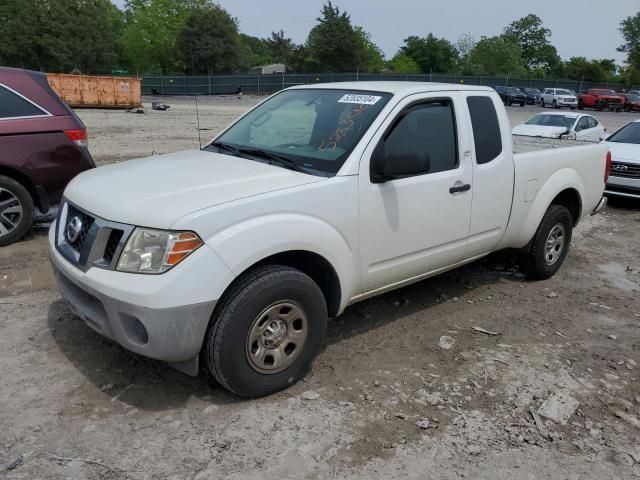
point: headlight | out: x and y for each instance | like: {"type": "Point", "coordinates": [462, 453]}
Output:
{"type": "Point", "coordinates": [156, 251]}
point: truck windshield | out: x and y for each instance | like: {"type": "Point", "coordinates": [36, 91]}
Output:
{"type": "Point", "coordinates": [310, 130]}
{"type": "Point", "coordinates": [563, 92]}
{"type": "Point", "coordinates": [630, 133]}
{"type": "Point", "coordinates": [552, 121]}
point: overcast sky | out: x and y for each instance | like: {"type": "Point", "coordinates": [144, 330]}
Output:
{"type": "Point", "coordinates": [579, 28]}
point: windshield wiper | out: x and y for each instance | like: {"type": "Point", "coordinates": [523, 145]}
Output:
{"type": "Point", "coordinates": [273, 158]}
{"type": "Point", "coordinates": [225, 146]}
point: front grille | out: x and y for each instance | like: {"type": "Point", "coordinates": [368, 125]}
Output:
{"type": "Point", "coordinates": [112, 245]}
{"type": "Point", "coordinates": [86, 221]}
{"type": "Point", "coordinates": [87, 240]}
{"type": "Point", "coordinates": [625, 170]}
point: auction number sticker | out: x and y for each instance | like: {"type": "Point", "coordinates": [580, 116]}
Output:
{"type": "Point", "coordinates": [361, 99]}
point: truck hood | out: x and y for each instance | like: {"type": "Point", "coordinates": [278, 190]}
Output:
{"type": "Point", "coordinates": [624, 152]}
{"type": "Point", "coordinates": [538, 131]}
{"type": "Point", "coordinates": [157, 191]}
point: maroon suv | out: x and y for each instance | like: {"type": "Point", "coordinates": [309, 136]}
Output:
{"type": "Point", "coordinates": [43, 145]}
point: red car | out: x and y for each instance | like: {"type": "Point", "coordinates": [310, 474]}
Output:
{"type": "Point", "coordinates": [600, 98]}
{"type": "Point", "coordinates": [43, 145]}
{"type": "Point", "coordinates": [631, 102]}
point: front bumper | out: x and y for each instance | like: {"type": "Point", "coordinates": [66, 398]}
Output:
{"type": "Point", "coordinates": [623, 187]}
{"type": "Point", "coordinates": [164, 317]}
{"type": "Point", "coordinates": [567, 104]}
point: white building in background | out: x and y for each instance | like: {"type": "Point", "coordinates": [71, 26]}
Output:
{"type": "Point", "coordinates": [274, 68]}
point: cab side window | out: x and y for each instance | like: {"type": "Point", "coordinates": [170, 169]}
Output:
{"type": "Point", "coordinates": [426, 130]}
{"type": "Point", "coordinates": [486, 128]}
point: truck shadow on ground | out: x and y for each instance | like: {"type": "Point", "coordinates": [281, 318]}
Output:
{"type": "Point", "coordinates": [146, 384]}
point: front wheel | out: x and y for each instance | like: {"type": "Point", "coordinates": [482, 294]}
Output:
{"type": "Point", "coordinates": [550, 244]}
{"type": "Point", "coordinates": [266, 331]}
{"type": "Point", "coordinates": [16, 211]}
{"type": "Point", "coordinates": [555, 104]}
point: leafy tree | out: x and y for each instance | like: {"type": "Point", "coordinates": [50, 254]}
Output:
{"type": "Point", "coordinates": [256, 51]}
{"type": "Point", "coordinates": [579, 68]}
{"type": "Point", "coordinates": [496, 56]}
{"type": "Point", "coordinates": [280, 47]}
{"type": "Point", "coordinates": [533, 39]}
{"type": "Point", "coordinates": [630, 29]}
{"type": "Point", "coordinates": [403, 63]}
{"type": "Point", "coordinates": [209, 41]}
{"type": "Point", "coordinates": [373, 58]}
{"type": "Point", "coordinates": [432, 54]}
{"type": "Point", "coordinates": [152, 30]}
{"type": "Point", "coordinates": [464, 45]}
{"type": "Point", "coordinates": [60, 35]}
{"type": "Point", "coordinates": [333, 44]}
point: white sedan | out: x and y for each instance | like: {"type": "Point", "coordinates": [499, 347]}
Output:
{"type": "Point", "coordinates": [574, 126]}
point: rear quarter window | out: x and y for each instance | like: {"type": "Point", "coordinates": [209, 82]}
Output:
{"type": "Point", "coordinates": [486, 129]}
{"type": "Point", "coordinates": [13, 105]}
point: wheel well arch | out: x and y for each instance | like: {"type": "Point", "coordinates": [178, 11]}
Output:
{"type": "Point", "coordinates": [315, 266]}
{"type": "Point", "coordinates": [22, 179]}
{"type": "Point", "coordinates": [570, 199]}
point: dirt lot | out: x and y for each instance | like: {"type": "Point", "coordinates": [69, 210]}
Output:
{"type": "Point", "coordinates": [405, 388]}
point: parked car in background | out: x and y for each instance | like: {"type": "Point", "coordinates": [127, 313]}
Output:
{"type": "Point", "coordinates": [631, 102]}
{"type": "Point", "coordinates": [533, 95]}
{"type": "Point", "coordinates": [624, 145]}
{"type": "Point", "coordinates": [558, 98]}
{"type": "Point", "coordinates": [601, 98]}
{"type": "Point", "coordinates": [573, 126]}
{"type": "Point", "coordinates": [237, 254]}
{"type": "Point", "coordinates": [634, 92]}
{"type": "Point", "coordinates": [43, 145]}
{"type": "Point", "coordinates": [511, 95]}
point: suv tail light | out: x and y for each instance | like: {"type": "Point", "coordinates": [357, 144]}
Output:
{"type": "Point", "coordinates": [79, 137]}
{"type": "Point", "coordinates": [607, 167]}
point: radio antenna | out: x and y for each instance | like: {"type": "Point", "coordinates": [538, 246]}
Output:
{"type": "Point", "coordinates": [198, 122]}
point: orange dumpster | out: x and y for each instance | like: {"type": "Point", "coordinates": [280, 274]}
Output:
{"type": "Point", "coordinates": [96, 91]}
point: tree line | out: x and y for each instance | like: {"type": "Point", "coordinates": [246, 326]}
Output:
{"type": "Point", "coordinates": [201, 37]}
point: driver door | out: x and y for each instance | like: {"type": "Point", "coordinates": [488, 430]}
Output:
{"type": "Point", "coordinates": [418, 224]}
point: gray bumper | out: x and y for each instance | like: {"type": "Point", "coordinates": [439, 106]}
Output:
{"type": "Point", "coordinates": [174, 335]}
{"type": "Point", "coordinates": [623, 187]}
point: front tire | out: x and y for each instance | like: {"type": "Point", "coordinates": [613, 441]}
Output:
{"type": "Point", "coordinates": [266, 331]}
{"type": "Point", "coordinates": [550, 244]}
{"type": "Point", "coordinates": [16, 211]}
{"type": "Point", "coordinates": [555, 104]}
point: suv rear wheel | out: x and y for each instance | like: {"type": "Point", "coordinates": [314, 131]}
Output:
{"type": "Point", "coordinates": [266, 331]}
{"type": "Point", "coordinates": [16, 211]}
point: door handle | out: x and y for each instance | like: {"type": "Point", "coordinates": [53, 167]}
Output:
{"type": "Point", "coordinates": [460, 187]}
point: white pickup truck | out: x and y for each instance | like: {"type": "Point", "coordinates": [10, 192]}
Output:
{"type": "Point", "coordinates": [237, 254]}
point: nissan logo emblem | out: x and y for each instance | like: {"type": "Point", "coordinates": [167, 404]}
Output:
{"type": "Point", "coordinates": [620, 168]}
{"type": "Point", "coordinates": [74, 227]}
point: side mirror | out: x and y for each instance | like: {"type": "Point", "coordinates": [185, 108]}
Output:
{"type": "Point", "coordinates": [385, 167]}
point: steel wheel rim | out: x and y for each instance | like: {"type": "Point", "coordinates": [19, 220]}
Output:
{"type": "Point", "coordinates": [276, 337]}
{"type": "Point", "coordinates": [554, 245]}
{"type": "Point", "coordinates": [10, 211]}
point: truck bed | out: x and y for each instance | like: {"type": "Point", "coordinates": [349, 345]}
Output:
{"type": "Point", "coordinates": [524, 144]}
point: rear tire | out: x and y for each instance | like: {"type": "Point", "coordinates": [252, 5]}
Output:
{"type": "Point", "coordinates": [266, 331]}
{"type": "Point", "coordinates": [16, 211]}
{"type": "Point", "coordinates": [542, 103]}
{"type": "Point", "coordinates": [550, 244]}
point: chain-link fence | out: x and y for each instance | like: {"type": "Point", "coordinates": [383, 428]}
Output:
{"type": "Point", "coordinates": [228, 84]}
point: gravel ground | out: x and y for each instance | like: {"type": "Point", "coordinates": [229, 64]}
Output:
{"type": "Point", "coordinates": [404, 388]}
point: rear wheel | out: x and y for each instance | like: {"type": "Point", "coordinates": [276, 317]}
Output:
{"type": "Point", "coordinates": [580, 105]}
{"type": "Point", "coordinates": [266, 331]}
{"type": "Point", "coordinates": [550, 244]}
{"type": "Point", "coordinates": [542, 103]}
{"type": "Point", "coordinates": [16, 211]}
